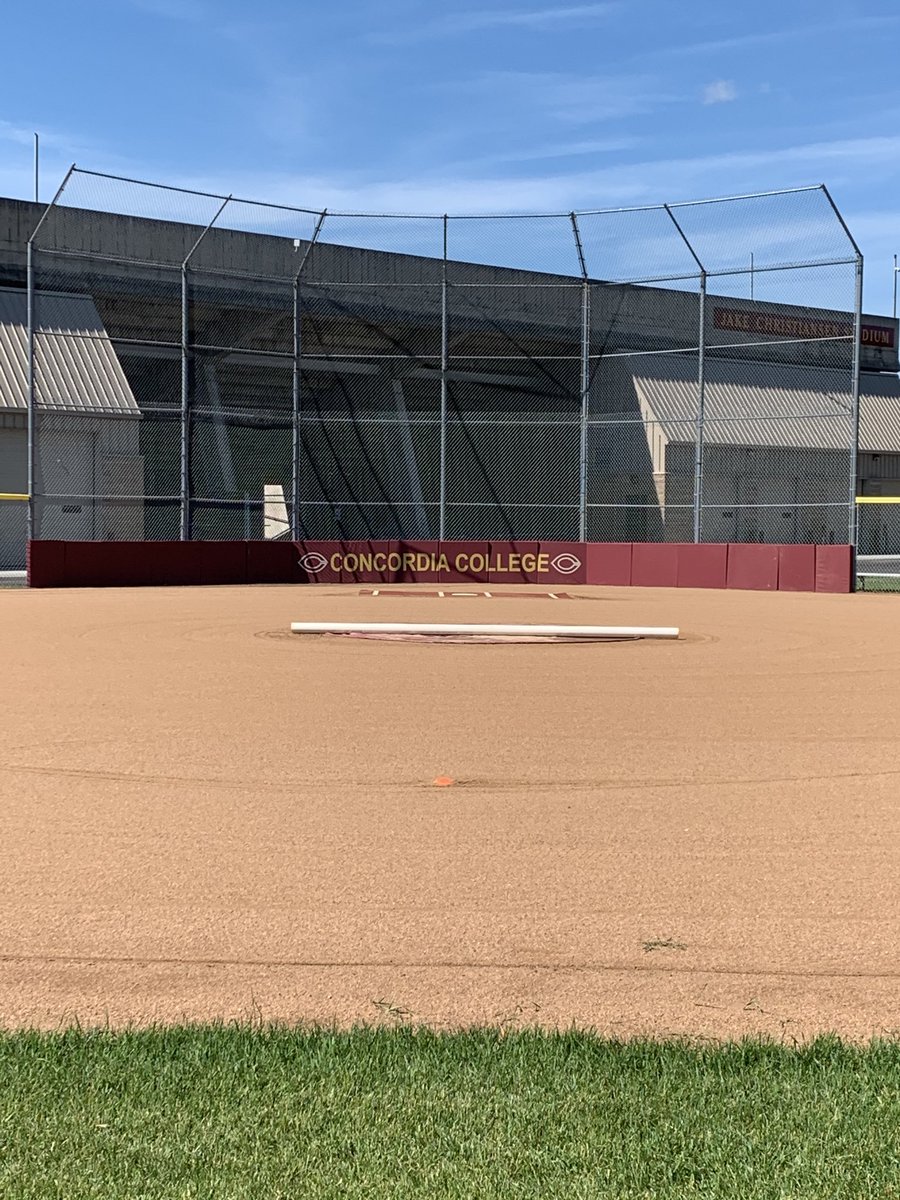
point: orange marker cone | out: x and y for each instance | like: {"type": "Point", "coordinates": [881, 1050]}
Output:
{"type": "Point", "coordinates": [444, 781]}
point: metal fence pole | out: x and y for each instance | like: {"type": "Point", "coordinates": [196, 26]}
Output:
{"type": "Point", "coordinates": [701, 415]}
{"type": "Point", "coordinates": [701, 379]}
{"type": "Point", "coordinates": [295, 415]}
{"type": "Point", "coordinates": [854, 395]}
{"type": "Point", "coordinates": [445, 343]}
{"type": "Point", "coordinates": [32, 446]}
{"type": "Point", "coordinates": [185, 448]}
{"type": "Point", "coordinates": [31, 366]}
{"type": "Point", "coordinates": [296, 533]}
{"type": "Point", "coordinates": [853, 523]}
{"type": "Point", "coordinates": [585, 384]}
{"type": "Point", "coordinates": [585, 410]}
{"type": "Point", "coordinates": [296, 525]}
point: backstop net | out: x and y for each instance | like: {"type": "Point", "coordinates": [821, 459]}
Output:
{"type": "Point", "coordinates": [207, 367]}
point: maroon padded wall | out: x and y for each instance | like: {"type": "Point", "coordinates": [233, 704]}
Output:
{"type": "Point", "coordinates": [752, 567]}
{"type": "Point", "coordinates": [552, 564]}
{"type": "Point", "coordinates": [796, 568]}
{"type": "Point", "coordinates": [703, 566]}
{"type": "Point", "coordinates": [834, 566]}
{"type": "Point", "coordinates": [654, 564]}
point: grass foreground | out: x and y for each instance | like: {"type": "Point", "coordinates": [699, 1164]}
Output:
{"type": "Point", "coordinates": [235, 1111]}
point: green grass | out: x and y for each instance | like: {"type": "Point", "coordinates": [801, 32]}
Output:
{"type": "Point", "coordinates": [878, 583]}
{"type": "Point", "coordinates": [240, 1112]}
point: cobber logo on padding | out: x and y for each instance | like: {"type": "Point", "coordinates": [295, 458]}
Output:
{"type": "Point", "coordinates": [313, 562]}
{"type": "Point", "coordinates": [566, 564]}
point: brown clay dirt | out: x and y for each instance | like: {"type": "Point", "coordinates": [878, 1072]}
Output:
{"type": "Point", "coordinates": [205, 817]}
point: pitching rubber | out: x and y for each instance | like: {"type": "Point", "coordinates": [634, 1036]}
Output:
{"type": "Point", "coordinates": [570, 631]}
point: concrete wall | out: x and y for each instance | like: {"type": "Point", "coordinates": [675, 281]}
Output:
{"type": "Point", "coordinates": [623, 316]}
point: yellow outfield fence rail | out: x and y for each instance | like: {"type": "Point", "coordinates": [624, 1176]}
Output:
{"type": "Point", "coordinates": [13, 495]}
{"type": "Point", "coordinates": [878, 499]}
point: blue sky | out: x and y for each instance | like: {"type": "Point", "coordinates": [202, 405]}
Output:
{"type": "Point", "coordinates": [404, 105]}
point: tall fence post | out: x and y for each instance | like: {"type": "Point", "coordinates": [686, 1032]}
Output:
{"type": "Point", "coordinates": [445, 345]}
{"type": "Point", "coordinates": [584, 384]}
{"type": "Point", "coordinates": [185, 440]}
{"type": "Point", "coordinates": [31, 416]}
{"type": "Point", "coordinates": [701, 381]}
{"type": "Point", "coordinates": [295, 415]}
{"type": "Point", "coordinates": [584, 428]}
{"type": "Point", "coordinates": [184, 488]}
{"type": "Point", "coordinates": [296, 524]}
{"type": "Point", "coordinates": [31, 365]}
{"type": "Point", "coordinates": [701, 414]}
{"type": "Point", "coordinates": [854, 399]}
{"type": "Point", "coordinates": [856, 354]}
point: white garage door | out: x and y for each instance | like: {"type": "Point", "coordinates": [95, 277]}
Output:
{"type": "Point", "coordinates": [66, 469]}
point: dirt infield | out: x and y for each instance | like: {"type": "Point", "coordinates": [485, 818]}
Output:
{"type": "Point", "coordinates": [206, 817]}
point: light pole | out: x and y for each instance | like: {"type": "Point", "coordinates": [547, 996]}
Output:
{"type": "Point", "coordinates": [896, 269]}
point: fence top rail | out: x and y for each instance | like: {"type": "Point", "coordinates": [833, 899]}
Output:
{"type": "Point", "coordinates": [184, 191]}
{"type": "Point", "coordinates": [433, 216]}
{"type": "Point", "coordinates": [719, 245]}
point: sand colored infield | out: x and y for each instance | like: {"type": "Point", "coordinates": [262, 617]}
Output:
{"type": "Point", "coordinates": [206, 817]}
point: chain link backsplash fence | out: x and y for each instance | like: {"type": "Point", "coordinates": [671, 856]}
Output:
{"type": "Point", "coordinates": [205, 367]}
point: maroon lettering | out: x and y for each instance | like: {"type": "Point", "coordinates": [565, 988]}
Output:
{"type": "Point", "coordinates": [781, 325]}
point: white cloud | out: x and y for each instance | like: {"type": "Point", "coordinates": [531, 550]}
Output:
{"type": "Point", "coordinates": [546, 152]}
{"type": "Point", "coordinates": [173, 10]}
{"type": "Point", "coordinates": [457, 188]}
{"type": "Point", "coordinates": [576, 99]}
{"type": "Point", "coordinates": [855, 24]}
{"type": "Point", "coordinates": [58, 149]}
{"type": "Point", "coordinates": [535, 19]}
{"type": "Point", "coordinates": [650, 181]}
{"type": "Point", "coordinates": [15, 133]}
{"type": "Point", "coordinates": [66, 144]}
{"type": "Point", "coordinates": [784, 227]}
{"type": "Point", "coordinates": [719, 92]}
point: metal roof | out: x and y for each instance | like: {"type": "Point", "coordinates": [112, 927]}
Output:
{"type": "Point", "coordinates": [768, 404]}
{"type": "Point", "coordinates": [77, 369]}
